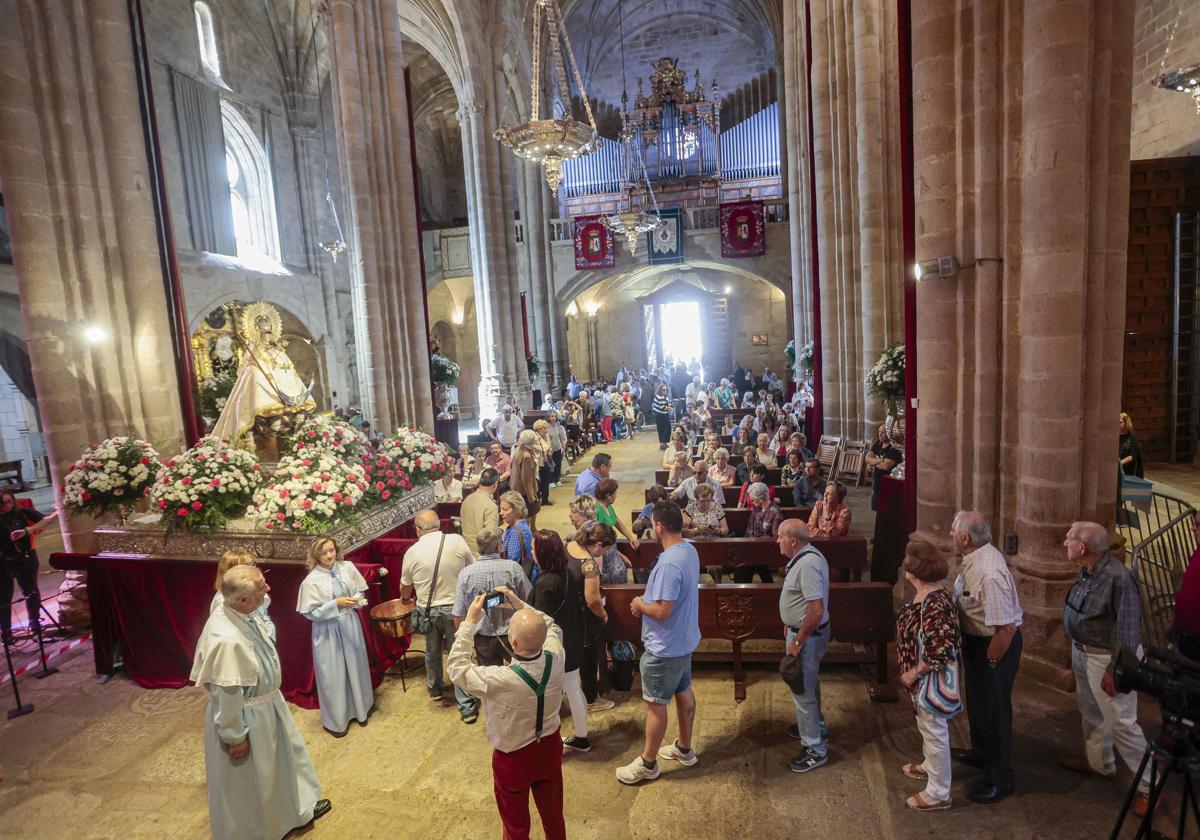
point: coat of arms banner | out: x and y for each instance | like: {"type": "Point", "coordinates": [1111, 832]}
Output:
{"type": "Point", "coordinates": [593, 244]}
{"type": "Point", "coordinates": [743, 229]}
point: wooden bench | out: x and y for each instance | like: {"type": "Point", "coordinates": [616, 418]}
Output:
{"type": "Point", "coordinates": [11, 478]}
{"type": "Point", "coordinates": [782, 494]}
{"type": "Point", "coordinates": [861, 616]}
{"type": "Point", "coordinates": [739, 518]}
{"type": "Point", "coordinates": [847, 556]}
{"type": "Point", "coordinates": [774, 477]}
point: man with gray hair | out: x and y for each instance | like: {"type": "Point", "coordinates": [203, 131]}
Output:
{"type": "Point", "coordinates": [487, 574]}
{"type": "Point", "coordinates": [804, 610]}
{"type": "Point", "coordinates": [990, 617]}
{"type": "Point", "coordinates": [261, 782]}
{"type": "Point", "coordinates": [1102, 615]}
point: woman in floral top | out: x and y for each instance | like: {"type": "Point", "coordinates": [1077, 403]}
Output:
{"type": "Point", "coordinates": [705, 518]}
{"type": "Point", "coordinates": [830, 517]}
{"type": "Point", "coordinates": [927, 640]}
{"type": "Point", "coordinates": [793, 470]}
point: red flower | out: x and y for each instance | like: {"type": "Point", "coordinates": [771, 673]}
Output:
{"type": "Point", "coordinates": [171, 463]}
{"type": "Point", "coordinates": [196, 505]}
{"type": "Point", "coordinates": [87, 497]}
{"type": "Point", "coordinates": [145, 460]}
{"type": "Point", "coordinates": [308, 462]}
{"type": "Point", "coordinates": [257, 468]}
{"type": "Point", "coordinates": [199, 457]}
{"type": "Point", "coordinates": [166, 480]}
{"type": "Point", "coordinates": [182, 512]}
{"type": "Point", "coordinates": [385, 495]}
{"type": "Point", "coordinates": [162, 504]}
{"type": "Point", "coordinates": [324, 476]}
{"type": "Point", "coordinates": [280, 516]}
{"type": "Point", "coordinates": [225, 458]}
{"type": "Point", "coordinates": [216, 482]}
{"type": "Point", "coordinates": [307, 504]}
{"type": "Point", "coordinates": [283, 492]}
{"type": "Point", "coordinates": [391, 482]}
{"type": "Point", "coordinates": [270, 526]}
{"type": "Point", "coordinates": [311, 434]}
{"type": "Point", "coordinates": [378, 485]}
{"type": "Point", "coordinates": [337, 497]}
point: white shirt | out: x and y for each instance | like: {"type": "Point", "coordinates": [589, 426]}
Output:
{"type": "Point", "coordinates": [452, 493]}
{"type": "Point", "coordinates": [506, 431]}
{"type": "Point", "coordinates": [687, 487]}
{"type": "Point", "coordinates": [985, 593]}
{"type": "Point", "coordinates": [419, 562]}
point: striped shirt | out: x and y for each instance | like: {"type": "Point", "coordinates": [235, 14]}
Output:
{"type": "Point", "coordinates": [662, 405]}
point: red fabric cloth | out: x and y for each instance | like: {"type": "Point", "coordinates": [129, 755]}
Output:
{"type": "Point", "coordinates": [535, 768]}
{"type": "Point", "coordinates": [151, 611]}
{"type": "Point", "coordinates": [1187, 602]}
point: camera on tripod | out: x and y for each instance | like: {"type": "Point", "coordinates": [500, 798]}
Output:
{"type": "Point", "coordinates": [1175, 682]}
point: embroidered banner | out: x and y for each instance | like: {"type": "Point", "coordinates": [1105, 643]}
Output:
{"type": "Point", "coordinates": [666, 241]}
{"type": "Point", "coordinates": [593, 244]}
{"type": "Point", "coordinates": [743, 229]}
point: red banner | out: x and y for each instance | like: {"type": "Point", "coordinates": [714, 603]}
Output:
{"type": "Point", "coordinates": [743, 229]}
{"type": "Point", "coordinates": [593, 244]}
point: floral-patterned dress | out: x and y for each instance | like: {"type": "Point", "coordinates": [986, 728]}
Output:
{"type": "Point", "coordinates": [933, 621]}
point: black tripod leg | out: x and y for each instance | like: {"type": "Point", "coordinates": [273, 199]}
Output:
{"type": "Point", "coordinates": [1157, 785]}
{"type": "Point", "coordinates": [19, 709]}
{"type": "Point", "coordinates": [1116, 832]}
{"type": "Point", "coordinates": [46, 670]}
{"type": "Point", "coordinates": [1189, 793]}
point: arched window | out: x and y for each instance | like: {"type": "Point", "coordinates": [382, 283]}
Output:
{"type": "Point", "coordinates": [251, 197]}
{"type": "Point", "coordinates": [207, 34]}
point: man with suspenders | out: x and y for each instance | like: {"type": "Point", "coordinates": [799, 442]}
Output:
{"type": "Point", "coordinates": [521, 703]}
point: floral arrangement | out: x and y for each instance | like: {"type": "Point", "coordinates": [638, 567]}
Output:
{"type": "Point", "coordinates": [204, 487]}
{"type": "Point", "coordinates": [110, 475]}
{"type": "Point", "coordinates": [384, 478]}
{"type": "Point", "coordinates": [323, 432]}
{"type": "Point", "coordinates": [886, 378]}
{"type": "Point", "coordinates": [417, 454]}
{"type": "Point", "coordinates": [533, 365]}
{"type": "Point", "coordinates": [443, 370]}
{"type": "Point", "coordinates": [309, 492]}
{"type": "Point", "coordinates": [805, 359]}
{"type": "Point", "coordinates": [212, 393]}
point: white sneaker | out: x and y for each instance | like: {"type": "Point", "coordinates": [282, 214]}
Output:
{"type": "Point", "coordinates": [636, 771]}
{"type": "Point", "coordinates": [672, 752]}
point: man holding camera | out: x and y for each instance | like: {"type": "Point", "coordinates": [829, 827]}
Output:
{"type": "Point", "coordinates": [1102, 615]}
{"type": "Point", "coordinates": [521, 702]}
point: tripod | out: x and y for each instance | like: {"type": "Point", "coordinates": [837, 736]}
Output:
{"type": "Point", "coordinates": [1172, 762]}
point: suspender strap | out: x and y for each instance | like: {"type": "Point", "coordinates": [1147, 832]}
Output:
{"type": "Point", "coordinates": [538, 688]}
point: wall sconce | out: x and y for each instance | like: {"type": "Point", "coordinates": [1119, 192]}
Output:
{"type": "Point", "coordinates": [930, 269]}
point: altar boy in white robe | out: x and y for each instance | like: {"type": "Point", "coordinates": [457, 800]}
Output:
{"type": "Point", "coordinates": [261, 782]}
{"type": "Point", "coordinates": [328, 598]}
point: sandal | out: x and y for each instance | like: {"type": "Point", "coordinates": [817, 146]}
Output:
{"type": "Point", "coordinates": [914, 771]}
{"type": "Point", "coordinates": [918, 802]}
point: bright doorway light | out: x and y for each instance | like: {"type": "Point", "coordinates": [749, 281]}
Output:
{"type": "Point", "coordinates": [681, 331]}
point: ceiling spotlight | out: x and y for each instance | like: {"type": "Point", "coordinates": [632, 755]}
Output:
{"type": "Point", "coordinates": [94, 334]}
{"type": "Point", "coordinates": [940, 267]}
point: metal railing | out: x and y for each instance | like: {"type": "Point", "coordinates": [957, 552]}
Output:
{"type": "Point", "coordinates": [1159, 541]}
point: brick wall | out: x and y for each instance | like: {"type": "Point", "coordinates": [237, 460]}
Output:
{"type": "Point", "coordinates": [1158, 188]}
{"type": "Point", "coordinates": [1165, 123]}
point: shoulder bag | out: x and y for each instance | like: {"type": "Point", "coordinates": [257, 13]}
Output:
{"type": "Point", "coordinates": [422, 622]}
{"type": "Point", "coordinates": [938, 692]}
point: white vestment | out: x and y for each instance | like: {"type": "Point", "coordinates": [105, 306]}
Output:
{"type": "Point", "coordinates": [267, 384]}
{"type": "Point", "coordinates": [274, 789]}
{"type": "Point", "coordinates": [339, 649]}
{"type": "Point", "coordinates": [261, 613]}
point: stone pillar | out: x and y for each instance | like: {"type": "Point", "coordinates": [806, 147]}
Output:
{"type": "Point", "coordinates": [73, 160]}
{"type": "Point", "coordinates": [373, 144]}
{"type": "Point", "coordinates": [799, 172]}
{"type": "Point", "coordinates": [1022, 173]}
{"type": "Point", "coordinates": [856, 155]}
{"type": "Point", "coordinates": [549, 324]}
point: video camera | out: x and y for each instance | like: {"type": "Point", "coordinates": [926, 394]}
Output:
{"type": "Point", "coordinates": [1175, 682]}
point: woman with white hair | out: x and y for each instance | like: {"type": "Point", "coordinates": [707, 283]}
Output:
{"type": "Point", "coordinates": [764, 522]}
{"type": "Point", "coordinates": [724, 394]}
{"type": "Point", "coordinates": [524, 472]}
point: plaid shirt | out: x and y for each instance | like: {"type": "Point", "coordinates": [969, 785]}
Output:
{"type": "Point", "coordinates": [764, 523]}
{"type": "Point", "coordinates": [1103, 607]}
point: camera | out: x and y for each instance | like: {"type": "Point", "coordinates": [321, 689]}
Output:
{"type": "Point", "coordinates": [1175, 682]}
{"type": "Point", "coordinates": [493, 599]}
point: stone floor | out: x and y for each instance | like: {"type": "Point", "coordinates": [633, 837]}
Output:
{"type": "Point", "coordinates": [117, 761]}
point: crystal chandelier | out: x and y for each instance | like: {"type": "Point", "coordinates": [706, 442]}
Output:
{"type": "Point", "coordinates": [1185, 80]}
{"type": "Point", "coordinates": [551, 141]}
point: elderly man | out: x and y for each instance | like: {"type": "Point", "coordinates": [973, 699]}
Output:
{"type": "Point", "coordinates": [487, 573]}
{"type": "Point", "coordinates": [687, 487]}
{"type": "Point", "coordinates": [479, 510]}
{"type": "Point", "coordinates": [430, 578]}
{"type": "Point", "coordinates": [670, 613]}
{"type": "Point", "coordinates": [809, 489]}
{"type": "Point", "coordinates": [522, 703]}
{"type": "Point", "coordinates": [261, 782]}
{"type": "Point", "coordinates": [505, 428]}
{"type": "Point", "coordinates": [882, 459]}
{"type": "Point", "coordinates": [804, 610]}
{"type": "Point", "coordinates": [1102, 615]}
{"type": "Point", "coordinates": [990, 617]}
{"type": "Point", "coordinates": [601, 468]}
{"type": "Point", "coordinates": [499, 460]}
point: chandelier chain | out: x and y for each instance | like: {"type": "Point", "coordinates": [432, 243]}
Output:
{"type": "Point", "coordinates": [587, 106]}
{"type": "Point", "coordinates": [1171, 38]}
{"type": "Point", "coordinates": [535, 94]}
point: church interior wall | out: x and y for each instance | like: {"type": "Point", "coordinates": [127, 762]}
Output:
{"type": "Point", "coordinates": [452, 304]}
{"type": "Point", "coordinates": [1164, 122]}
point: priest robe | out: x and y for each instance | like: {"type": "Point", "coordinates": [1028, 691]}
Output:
{"type": "Point", "coordinates": [339, 649]}
{"type": "Point", "coordinates": [261, 613]}
{"type": "Point", "coordinates": [274, 789]}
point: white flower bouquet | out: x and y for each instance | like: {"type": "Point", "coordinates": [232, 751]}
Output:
{"type": "Point", "coordinates": [323, 432]}
{"type": "Point", "coordinates": [886, 378]}
{"type": "Point", "coordinates": [204, 487]}
{"type": "Point", "coordinates": [113, 474]}
{"type": "Point", "coordinates": [309, 492]}
{"type": "Point", "coordinates": [417, 454]}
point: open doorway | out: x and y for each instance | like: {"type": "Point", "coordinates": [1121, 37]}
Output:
{"type": "Point", "coordinates": [680, 322]}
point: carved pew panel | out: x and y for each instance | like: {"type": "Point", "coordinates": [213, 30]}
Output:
{"type": "Point", "coordinates": [847, 556]}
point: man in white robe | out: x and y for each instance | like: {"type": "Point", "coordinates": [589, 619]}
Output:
{"type": "Point", "coordinates": [261, 782]}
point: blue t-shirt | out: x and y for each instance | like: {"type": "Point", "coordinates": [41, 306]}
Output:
{"type": "Point", "coordinates": [585, 485]}
{"type": "Point", "coordinates": [675, 577]}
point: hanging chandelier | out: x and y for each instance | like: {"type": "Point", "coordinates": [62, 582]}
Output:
{"type": "Point", "coordinates": [551, 141]}
{"type": "Point", "coordinates": [1184, 80]}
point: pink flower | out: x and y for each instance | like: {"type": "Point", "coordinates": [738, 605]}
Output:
{"type": "Point", "coordinates": [171, 463]}
{"type": "Point", "coordinates": [307, 504]}
{"type": "Point", "coordinates": [337, 497]}
{"type": "Point", "coordinates": [187, 479]}
{"type": "Point", "coordinates": [324, 476]}
{"type": "Point", "coordinates": [216, 482]}
{"type": "Point", "coordinates": [379, 485]}
{"type": "Point", "coordinates": [385, 495]}
{"type": "Point", "coordinates": [166, 480]}
{"type": "Point", "coordinates": [199, 457]}
{"type": "Point", "coordinates": [225, 458]}
{"type": "Point", "coordinates": [162, 504]}
{"type": "Point", "coordinates": [270, 526]}
{"type": "Point", "coordinates": [311, 434]}
{"type": "Point", "coordinates": [196, 505]}
{"type": "Point", "coordinates": [308, 462]}
{"type": "Point", "coordinates": [182, 512]}
{"type": "Point", "coordinates": [145, 460]}
{"type": "Point", "coordinates": [280, 516]}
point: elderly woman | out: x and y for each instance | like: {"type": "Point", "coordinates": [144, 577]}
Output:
{"type": "Point", "coordinates": [793, 470]}
{"type": "Point", "coordinates": [546, 462]}
{"type": "Point", "coordinates": [724, 472]}
{"type": "Point", "coordinates": [516, 538]}
{"type": "Point", "coordinates": [765, 454]}
{"type": "Point", "coordinates": [724, 395]}
{"type": "Point", "coordinates": [830, 517]}
{"type": "Point", "coordinates": [229, 559]}
{"type": "Point", "coordinates": [927, 639]}
{"type": "Point", "coordinates": [748, 400]}
{"type": "Point", "coordinates": [329, 596]}
{"type": "Point", "coordinates": [703, 516]}
{"type": "Point", "coordinates": [462, 464]}
{"type": "Point", "coordinates": [677, 447]}
{"type": "Point", "coordinates": [764, 522]}
{"type": "Point", "coordinates": [799, 441]}
{"type": "Point", "coordinates": [556, 433]}
{"type": "Point", "coordinates": [681, 470]}
{"type": "Point", "coordinates": [606, 514]}
{"type": "Point", "coordinates": [475, 466]}
{"type": "Point", "coordinates": [559, 596]}
{"type": "Point", "coordinates": [523, 476]}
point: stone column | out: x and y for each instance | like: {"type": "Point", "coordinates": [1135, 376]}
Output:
{"type": "Point", "coordinates": [1021, 120]}
{"type": "Point", "coordinates": [73, 160]}
{"type": "Point", "coordinates": [799, 172]}
{"type": "Point", "coordinates": [373, 144]}
{"type": "Point", "coordinates": [856, 137]}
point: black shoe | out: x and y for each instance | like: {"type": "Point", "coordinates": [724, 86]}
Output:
{"type": "Point", "coordinates": [578, 744]}
{"type": "Point", "coordinates": [967, 757]}
{"type": "Point", "coordinates": [986, 794]}
{"type": "Point", "coordinates": [323, 807]}
{"type": "Point", "coordinates": [341, 734]}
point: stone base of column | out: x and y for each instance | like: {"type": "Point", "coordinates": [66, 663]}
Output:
{"type": "Point", "coordinates": [1047, 652]}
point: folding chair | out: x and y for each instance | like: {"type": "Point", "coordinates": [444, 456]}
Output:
{"type": "Point", "coordinates": [827, 453]}
{"type": "Point", "coordinates": [851, 463]}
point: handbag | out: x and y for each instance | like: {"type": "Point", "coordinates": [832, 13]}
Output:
{"type": "Point", "coordinates": [422, 623]}
{"type": "Point", "coordinates": [939, 693]}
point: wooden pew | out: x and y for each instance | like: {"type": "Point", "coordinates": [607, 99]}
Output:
{"type": "Point", "coordinates": [861, 616]}
{"type": "Point", "coordinates": [774, 476]}
{"type": "Point", "coordinates": [739, 518]}
{"type": "Point", "coordinates": [847, 556]}
{"type": "Point", "coordinates": [783, 494]}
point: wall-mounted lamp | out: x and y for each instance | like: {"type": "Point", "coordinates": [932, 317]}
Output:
{"type": "Point", "coordinates": [930, 269]}
{"type": "Point", "coordinates": [94, 334]}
